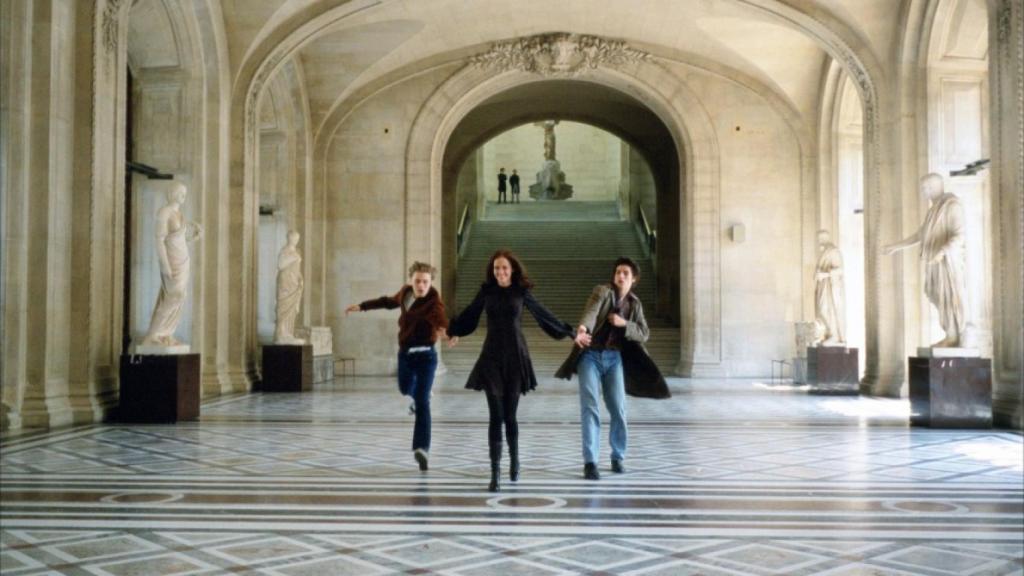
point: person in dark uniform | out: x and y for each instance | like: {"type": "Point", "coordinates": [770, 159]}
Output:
{"type": "Point", "coordinates": [504, 370]}
{"type": "Point", "coordinates": [501, 186]}
{"type": "Point", "coordinates": [513, 181]}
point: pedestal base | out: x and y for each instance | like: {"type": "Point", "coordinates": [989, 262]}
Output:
{"type": "Point", "coordinates": [158, 389]}
{"type": "Point", "coordinates": [832, 370]}
{"type": "Point", "coordinates": [287, 368]}
{"type": "Point", "coordinates": [950, 392]}
{"type": "Point", "coordinates": [323, 369]}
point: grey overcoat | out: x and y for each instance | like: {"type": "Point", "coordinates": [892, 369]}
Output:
{"type": "Point", "coordinates": [643, 379]}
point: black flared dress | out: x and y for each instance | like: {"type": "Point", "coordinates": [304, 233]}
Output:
{"type": "Point", "coordinates": [504, 367]}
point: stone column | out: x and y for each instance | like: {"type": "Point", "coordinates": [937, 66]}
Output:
{"type": "Point", "coordinates": [885, 293]}
{"type": "Point", "coordinates": [1006, 72]}
{"type": "Point", "coordinates": [43, 197]}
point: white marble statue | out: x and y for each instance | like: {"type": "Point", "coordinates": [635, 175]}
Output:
{"type": "Point", "coordinates": [289, 291]}
{"type": "Point", "coordinates": [943, 256]}
{"type": "Point", "coordinates": [173, 234]}
{"type": "Point", "coordinates": [829, 292]}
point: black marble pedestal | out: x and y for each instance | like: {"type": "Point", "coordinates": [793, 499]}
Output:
{"type": "Point", "coordinates": [950, 392]}
{"type": "Point", "coordinates": [832, 370]}
{"type": "Point", "coordinates": [157, 388]}
{"type": "Point", "coordinates": [287, 368]}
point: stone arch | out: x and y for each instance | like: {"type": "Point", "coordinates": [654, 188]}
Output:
{"type": "Point", "coordinates": [696, 143]}
{"type": "Point", "coordinates": [202, 41]}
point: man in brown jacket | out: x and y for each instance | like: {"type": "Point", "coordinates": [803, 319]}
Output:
{"type": "Point", "coordinates": [614, 361]}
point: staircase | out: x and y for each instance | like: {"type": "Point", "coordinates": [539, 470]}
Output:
{"type": "Point", "coordinates": [567, 248]}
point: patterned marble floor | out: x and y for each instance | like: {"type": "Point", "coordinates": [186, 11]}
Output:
{"type": "Point", "coordinates": [726, 477]}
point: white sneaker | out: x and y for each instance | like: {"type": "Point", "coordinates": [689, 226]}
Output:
{"type": "Point", "coordinates": [421, 457]}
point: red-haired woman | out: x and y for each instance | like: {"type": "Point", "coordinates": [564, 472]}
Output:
{"type": "Point", "coordinates": [504, 370]}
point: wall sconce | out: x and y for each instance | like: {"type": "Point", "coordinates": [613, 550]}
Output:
{"type": "Point", "coordinates": [738, 233]}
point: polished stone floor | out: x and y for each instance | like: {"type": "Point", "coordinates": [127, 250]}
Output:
{"type": "Point", "coordinates": [727, 477]}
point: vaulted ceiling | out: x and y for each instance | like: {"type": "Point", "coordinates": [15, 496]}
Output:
{"type": "Point", "coordinates": [743, 39]}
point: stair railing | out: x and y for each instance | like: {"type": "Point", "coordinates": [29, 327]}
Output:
{"type": "Point", "coordinates": [650, 234]}
{"type": "Point", "coordinates": [460, 235]}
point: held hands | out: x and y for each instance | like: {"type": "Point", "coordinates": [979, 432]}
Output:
{"type": "Point", "coordinates": [442, 334]}
{"type": "Point", "coordinates": [352, 308]}
{"type": "Point", "coordinates": [616, 320]}
{"type": "Point", "coordinates": [582, 338]}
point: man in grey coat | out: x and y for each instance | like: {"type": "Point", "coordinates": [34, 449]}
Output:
{"type": "Point", "coordinates": [611, 358]}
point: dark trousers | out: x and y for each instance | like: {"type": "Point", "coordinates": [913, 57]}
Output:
{"type": "Point", "coordinates": [502, 196]}
{"type": "Point", "coordinates": [415, 379]}
{"type": "Point", "coordinates": [515, 193]}
{"type": "Point", "coordinates": [503, 412]}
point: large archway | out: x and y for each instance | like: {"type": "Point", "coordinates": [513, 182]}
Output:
{"type": "Point", "coordinates": [694, 193]}
{"type": "Point", "coordinates": [591, 103]}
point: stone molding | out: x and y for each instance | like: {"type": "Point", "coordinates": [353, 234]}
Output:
{"type": "Point", "coordinates": [558, 54]}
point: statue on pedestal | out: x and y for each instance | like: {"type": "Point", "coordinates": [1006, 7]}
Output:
{"type": "Point", "coordinates": [289, 291]}
{"type": "Point", "coordinates": [943, 255]}
{"type": "Point", "coordinates": [829, 292]}
{"type": "Point", "coordinates": [173, 234]}
{"type": "Point", "coordinates": [550, 180]}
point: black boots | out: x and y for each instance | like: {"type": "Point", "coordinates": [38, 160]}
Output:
{"type": "Point", "coordinates": [513, 467]}
{"type": "Point", "coordinates": [495, 484]}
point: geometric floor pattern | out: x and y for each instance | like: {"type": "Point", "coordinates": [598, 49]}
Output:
{"type": "Point", "coordinates": [724, 478]}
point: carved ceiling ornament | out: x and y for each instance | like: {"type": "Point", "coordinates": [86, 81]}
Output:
{"type": "Point", "coordinates": [558, 54]}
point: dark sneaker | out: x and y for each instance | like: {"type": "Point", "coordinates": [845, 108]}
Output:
{"type": "Point", "coordinates": [590, 471]}
{"type": "Point", "coordinates": [421, 457]}
{"type": "Point", "coordinates": [617, 467]}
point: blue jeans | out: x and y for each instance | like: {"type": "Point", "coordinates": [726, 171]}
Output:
{"type": "Point", "coordinates": [415, 379]}
{"type": "Point", "coordinates": [601, 371]}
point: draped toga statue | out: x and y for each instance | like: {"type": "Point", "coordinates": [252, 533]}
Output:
{"type": "Point", "coordinates": [943, 256]}
{"type": "Point", "coordinates": [829, 292]}
{"type": "Point", "coordinates": [173, 234]}
{"type": "Point", "coordinates": [289, 291]}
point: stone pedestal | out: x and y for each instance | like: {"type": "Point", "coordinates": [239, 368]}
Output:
{"type": "Point", "coordinates": [323, 351]}
{"type": "Point", "coordinates": [832, 370]}
{"type": "Point", "coordinates": [950, 392]}
{"type": "Point", "coordinates": [323, 369]}
{"type": "Point", "coordinates": [287, 368]}
{"type": "Point", "coordinates": [161, 388]}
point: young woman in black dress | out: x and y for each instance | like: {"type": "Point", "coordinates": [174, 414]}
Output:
{"type": "Point", "coordinates": [504, 370]}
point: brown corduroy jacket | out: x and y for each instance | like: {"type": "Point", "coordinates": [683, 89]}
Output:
{"type": "Point", "coordinates": [418, 324]}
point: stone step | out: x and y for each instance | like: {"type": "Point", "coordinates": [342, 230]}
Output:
{"type": "Point", "coordinates": [532, 210]}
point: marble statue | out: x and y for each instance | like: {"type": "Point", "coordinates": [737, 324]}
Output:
{"type": "Point", "coordinates": [173, 234]}
{"type": "Point", "coordinates": [829, 292]}
{"type": "Point", "coordinates": [289, 291]}
{"type": "Point", "coordinates": [550, 183]}
{"type": "Point", "coordinates": [943, 255]}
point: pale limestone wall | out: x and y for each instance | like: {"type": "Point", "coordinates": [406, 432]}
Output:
{"type": "Point", "coordinates": [365, 220]}
{"type": "Point", "coordinates": [640, 187]}
{"type": "Point", "coordinates": [589, 157]}
{"type": "Point", "coordinates": [760, 188]}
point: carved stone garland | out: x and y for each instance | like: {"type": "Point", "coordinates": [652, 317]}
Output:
{"type": "Point", "coordinates": [558, 54]}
